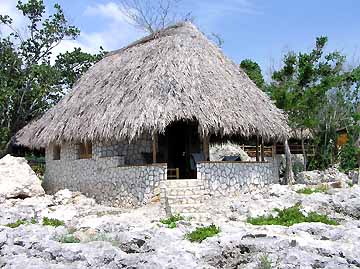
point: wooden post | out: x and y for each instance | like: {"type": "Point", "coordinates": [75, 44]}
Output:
{"type": "Point", "coordinates": [262, 150]}
{"type": "Point", "coordinates": [273, 151]}
{"type": "Point", "coordinates": [257, 148]}
{"type": "Point", "coordinates": [154, 147]}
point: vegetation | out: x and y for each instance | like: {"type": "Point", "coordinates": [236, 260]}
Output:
{"type": "Point", "coordinates": [30, 83]}
{"type": "Point", "coordinates": [201, 233]}
{"type": "Point", "coordinates": [17, 223]}
{"type": "Point", "coordinates": [308, 190]}
{"type": "Point", "coordinates": [253, 70]}
{"type": "Point", "coordinates": [68, 238]}
{"type": "Point", "coordinates": [349, 155]}
{"type": "Point", "coordinates": [320, 93]}
{"type": "Point", "coordinates": [171, 221]}
{"type": "Point", "coordinates": [52, 222]}
{"type": "Point", "coordinates": [21, 222]}
{"type": "Point", "coordinates": [264, 262]}
{"type": "Point", "coordinates": [290, 216]}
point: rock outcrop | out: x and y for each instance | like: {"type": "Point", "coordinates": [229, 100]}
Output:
{"type": "Point", "coordinates": [330, 175]}
{"type": "Point", "coordinates": [17, 179]}
{"type": "Point", "coordinates": [95, 236]}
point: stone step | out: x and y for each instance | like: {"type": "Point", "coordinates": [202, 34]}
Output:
{"type": "Point", "coordinates": [185, 191]}
{"type": "Point", "coordinates": [181, 183]}
{"type": "Point", "coordinates": [187, 199]}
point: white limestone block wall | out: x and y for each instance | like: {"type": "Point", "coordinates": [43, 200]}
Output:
{"type": "Point", "coordinates": [224, 178]}
{"type": "Point", "coordinates": [106, 179]}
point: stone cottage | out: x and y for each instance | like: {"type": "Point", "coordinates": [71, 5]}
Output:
{"type": "Point", "coordinates": [146, 114]}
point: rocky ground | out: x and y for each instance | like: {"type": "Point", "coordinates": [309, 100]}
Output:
{"type": "Point", "coordinates": [124, 238]}
{"type": "Point", "coordinates": [95, 236]}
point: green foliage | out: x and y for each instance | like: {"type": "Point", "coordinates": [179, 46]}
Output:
{"type": "Point", "coordinates": [318, 93]}
{"type": "Point", "coordinates": [52, 222]}
{"type": "Point", "coordinates": [307, 190]}
{"type": "Point", "coordinates": [201, 233]}
{"type": "Point", "coordinates": [29, 82]}
{"type": "Point", "coordinates": [264, 262]}
{"type": "Point", "coordinates": [68, 239]}
{"type": "Point", "coordinates": [171, 221]}
{"type": "Point", "coordinates": [17, 223]}
{"type": "Point", "coordinates": [21, 222]}
{"type": "Point", "coordinates": [349, 155]}
{"type": "Point", "coordinates": [290, 216]}
{"type": "Point", "coordinates": [253, 70]}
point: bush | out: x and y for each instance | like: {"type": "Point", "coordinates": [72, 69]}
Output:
{"type": "Point", "coordinates": [349, 154]}
{"type": "Point", "coordinates": [307, 190]}
{"type": "Point", "coordinates": [171, 221]}
{"type": "Point", "coordinates": [201, 233]}
{"type": "Point", "coordinates": [290, 216]}
{"type": "Point", "coordinates": [52, 222]}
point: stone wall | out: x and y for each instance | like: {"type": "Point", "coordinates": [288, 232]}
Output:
{"type": "Point", "coordinates": [133, 152]}
{"type": "Point", "coordinates": [106, 179]}
{"type": "Point", "coordinates": [224, 178]}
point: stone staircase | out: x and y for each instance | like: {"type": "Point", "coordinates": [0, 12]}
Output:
{"type": "Point", "coordinates": [184, 196]}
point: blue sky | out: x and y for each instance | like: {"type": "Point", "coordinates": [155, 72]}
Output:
{"type": "Point", "coordinates": [262, 30]}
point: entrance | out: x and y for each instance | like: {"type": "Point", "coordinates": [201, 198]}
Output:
{"type": "Point", "coordinates": [182, 139]}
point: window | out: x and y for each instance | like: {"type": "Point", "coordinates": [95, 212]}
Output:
{"type": "Point", "coordinates": [56, 152]}
{"type": "Point", "coordinates": [85, 150]}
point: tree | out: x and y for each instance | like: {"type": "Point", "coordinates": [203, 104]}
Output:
{"type": "Point", "coordinates": [253, 70]}
{"type": "Point", "coordinates": [153, 15]}
{"type": "Point", "coordinates": [29, 83]}
{"type": "Point", "coordinates": [318, 94]}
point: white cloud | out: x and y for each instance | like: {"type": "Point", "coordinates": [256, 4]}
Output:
{"type": "Point", "coordinates": [8, 7]}
{"type": "Point", "coordinates": [109, 10]}
{"type": "Point", "coordinates": [117, 32]}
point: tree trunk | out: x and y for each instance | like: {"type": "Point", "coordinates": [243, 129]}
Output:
{"type": "Point", "coordinates": [289, 175]}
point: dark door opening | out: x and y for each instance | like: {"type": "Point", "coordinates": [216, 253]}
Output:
{"type": "Point", "coordinates": [182, 140]}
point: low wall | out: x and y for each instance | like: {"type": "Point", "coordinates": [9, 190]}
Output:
{"type": "Point", "coordinates": [224, 178]}
{"type": "Point", "coordinates": [106, 181]}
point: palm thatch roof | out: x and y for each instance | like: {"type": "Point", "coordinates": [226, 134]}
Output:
{"type": "Point", "coordinates": [174, 74]}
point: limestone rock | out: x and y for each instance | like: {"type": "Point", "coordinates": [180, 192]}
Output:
{"type": "Point", "coordinates": [218, 151]}
{"type": "Point", "coordinates": [333, 176]}
{"type": "Point", "coordinates": [17, 179]}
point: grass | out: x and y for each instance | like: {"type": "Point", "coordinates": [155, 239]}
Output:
{"type": "Point", "coordinates": [21, 222]}
{"type": "Point", "coordinates": [264, 262]}
{"type": "Point", "coordinates": [52, 222]}
{"type": "Point", "coordinates": [290, 216]}
{"type": "Point", "coordinates": [68, 238]}
{"type": "Point", "coordinates": [171, 221]}
{"type": "Point", "coordinates": [201, 233]}
{"type": "Point", "coordinates": [17, 223]}
{"type": "Point", "coordinates": [319, 189]}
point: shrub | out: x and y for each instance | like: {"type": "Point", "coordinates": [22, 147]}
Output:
{"type": "Point", "coordinates": [68, 238]}
{"type": "Point", "coordinates": [171, 221]}
{"type": "Point", "coordinates": [348, 156]}
{"type": "Point", "coordinates": [52, 222]}
{"type": "Point", "coordinates": [201, 233]}
{"type": "Point", "coordinates": [290, 216]}
{"type": "Point", "coordinates": [307, 190]}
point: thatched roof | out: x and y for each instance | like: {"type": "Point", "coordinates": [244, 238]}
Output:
{"type": "Point", "coordinates": [174, 74]}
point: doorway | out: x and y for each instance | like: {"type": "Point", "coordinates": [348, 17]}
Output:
{"type": "Point", "coordinates": [183, 140]}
